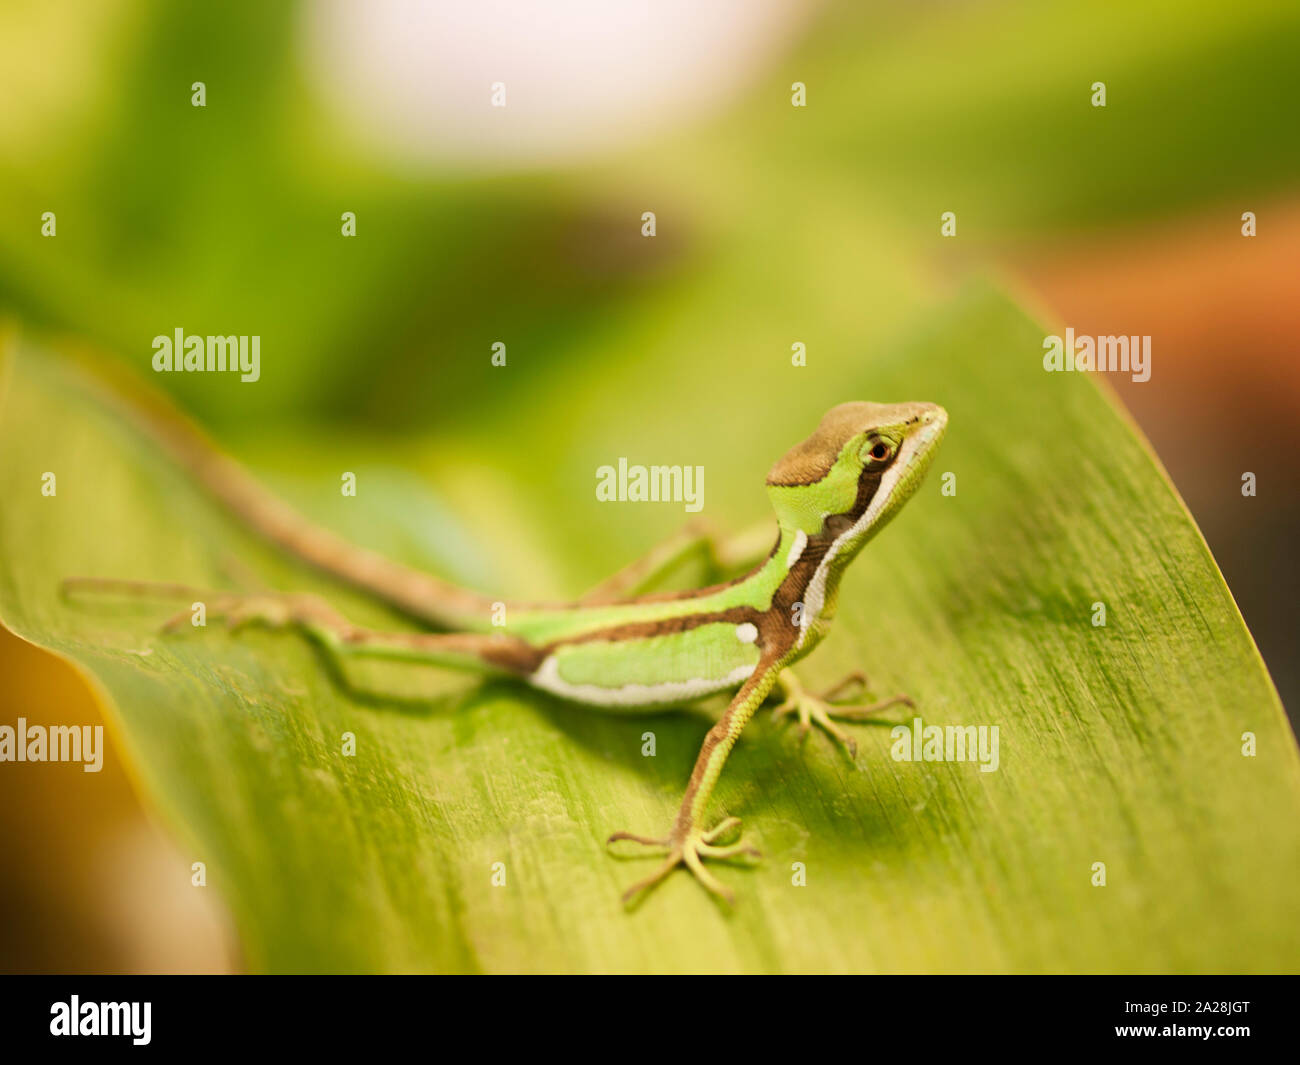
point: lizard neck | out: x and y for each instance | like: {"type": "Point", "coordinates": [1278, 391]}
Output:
{"type": "Point", "coordinates": [803, 575]}
{"type": "Point", "coordinates": [794, 590]}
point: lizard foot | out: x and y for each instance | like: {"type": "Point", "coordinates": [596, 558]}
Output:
{"type": "Point", "coordinates": [820, 709]}
{"type": "Point", "coordinates": [690, 850]}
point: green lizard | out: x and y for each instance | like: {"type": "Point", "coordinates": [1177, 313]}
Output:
{"type": "Point", "coordinates": [614, 649]}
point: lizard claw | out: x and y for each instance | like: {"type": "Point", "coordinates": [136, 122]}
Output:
{"type": "Point", "coordinates": [690, 850]}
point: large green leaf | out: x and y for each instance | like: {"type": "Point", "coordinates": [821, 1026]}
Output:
{"type": "Point", "coordinates": [1120, 744]}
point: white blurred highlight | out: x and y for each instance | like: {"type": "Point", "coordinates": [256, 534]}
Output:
{"type": "Point", "coordinates": [581, 76]}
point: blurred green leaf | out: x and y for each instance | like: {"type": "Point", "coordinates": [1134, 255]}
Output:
{"type": "Point", "coordinates": [985, 110]}
{"type": "Point", "coordinates": [225, 220]}
{"type": "Point", "coordinates": [1119, 744]}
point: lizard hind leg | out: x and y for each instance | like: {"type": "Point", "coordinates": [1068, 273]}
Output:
{"type": "Point", "coordinates": [274, 609]}
{"type": "Point", "coordinates": [721, 555]}
{"type": "Point", "coordinates": [339, 638]}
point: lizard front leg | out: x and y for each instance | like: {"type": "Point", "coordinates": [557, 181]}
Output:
{"type": "Point", "coordinates": [688, 842]}
{"type": "Point", "coordinates": [819, 709]}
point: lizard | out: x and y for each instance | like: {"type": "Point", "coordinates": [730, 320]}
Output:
{"type": "Point", "coordinates": [616, 649]}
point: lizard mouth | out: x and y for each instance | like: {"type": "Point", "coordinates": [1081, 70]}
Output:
{"type": "Point", "coordinates": [904, 476]}
{"type": "Point", "coordinates": [920, 445]}
{"type": "Point", "coordinates": [934, 422]}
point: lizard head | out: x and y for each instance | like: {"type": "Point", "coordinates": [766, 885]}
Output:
{"type": "Point", "coordinates": [847, 480]}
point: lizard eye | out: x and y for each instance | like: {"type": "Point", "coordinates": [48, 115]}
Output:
{"type": "Point", "coordinates": [879, 450]}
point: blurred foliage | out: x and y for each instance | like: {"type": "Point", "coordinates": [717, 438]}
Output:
{"type": "Point", "coordinates": [226, 218]}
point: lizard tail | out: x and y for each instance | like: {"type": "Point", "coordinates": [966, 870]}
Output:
{"type": "Point", "coordinates": [415, 593]}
